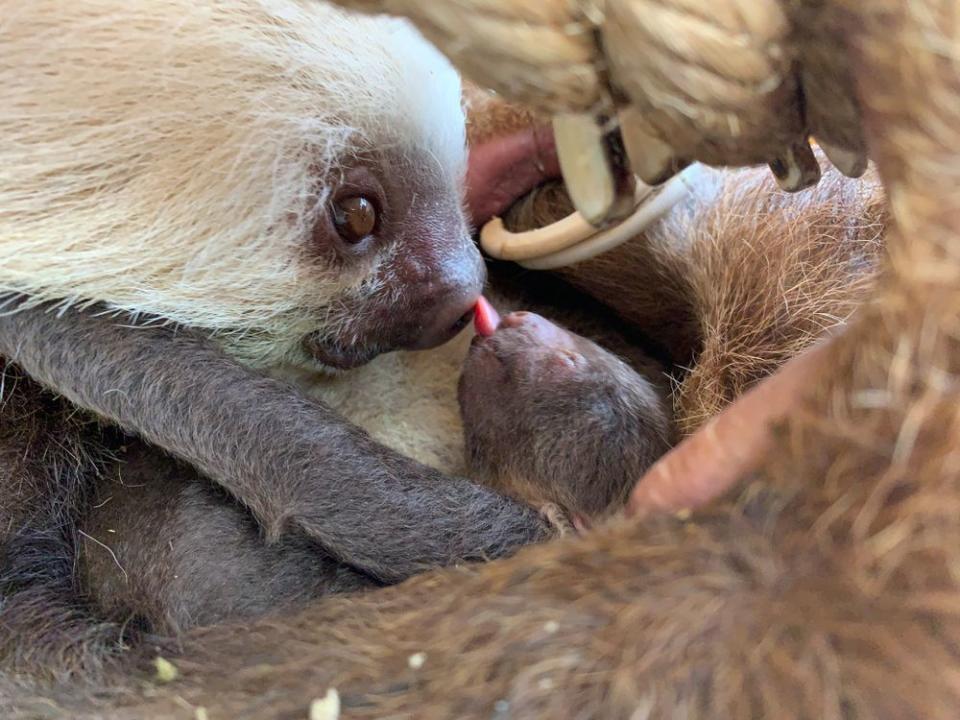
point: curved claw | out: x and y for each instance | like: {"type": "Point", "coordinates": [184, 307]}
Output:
{"type": "Point", "coordinates": [851, 163]}
{"type": "Point", "coordinates": [653, 160]}
{"type": "Point", "coordinates": [573, 239]}
{"type": "Point", "coordinates": [797, 168]}
{"type": "Point", "coordinates": [593, 172]}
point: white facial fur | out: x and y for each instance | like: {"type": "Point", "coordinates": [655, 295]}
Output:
{"type": "Point", "coordinates": [170, 156]}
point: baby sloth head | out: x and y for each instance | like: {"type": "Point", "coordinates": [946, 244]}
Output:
{"type": "Point", "coordinates": [550, 416]}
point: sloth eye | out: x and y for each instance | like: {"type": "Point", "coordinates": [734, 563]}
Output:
{"type": "Point", "coordinates": [354, 217]}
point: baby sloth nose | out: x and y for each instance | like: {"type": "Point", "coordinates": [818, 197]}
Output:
{"type": "Point", "coordinates": [538, 330]}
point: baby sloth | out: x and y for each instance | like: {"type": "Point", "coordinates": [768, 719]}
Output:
{"type": "Point", "coordinates": [551, 417]}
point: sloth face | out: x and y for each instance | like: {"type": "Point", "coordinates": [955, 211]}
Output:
{"type": "Point", "coordinates": [402, 227]}
{"type": "Point", "coordinates": [550, 416]}
{"type": "Point", "coordinates": [283, 176]}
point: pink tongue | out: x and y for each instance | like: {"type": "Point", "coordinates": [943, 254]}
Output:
{"type": "Point", "coordinates": [485, 318]}
{"type": "Point", "coordinates": [505, 168]}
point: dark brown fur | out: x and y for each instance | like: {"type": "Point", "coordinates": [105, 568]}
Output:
{"type": "Point", "coordinates": [48, 453]}
{"type": "Point", "coordinates": [166, 547]}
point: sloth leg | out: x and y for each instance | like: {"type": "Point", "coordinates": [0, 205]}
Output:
{"type": "Point", "coordinates": [162, 545]}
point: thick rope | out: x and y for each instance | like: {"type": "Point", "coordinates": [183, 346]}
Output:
{"type": "Point", "coordinates": [712, 79]}
{"type": "Point", "coordinates": [726, 82]}
{"type": "Point", "coordinates": [541, 53]}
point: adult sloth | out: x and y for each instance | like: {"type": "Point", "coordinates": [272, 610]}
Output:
{"type": "Point", "coordinates": [267, 183]}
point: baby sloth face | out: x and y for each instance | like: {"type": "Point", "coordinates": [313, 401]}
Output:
{"type": "Point", "coordinates": [550, 416]}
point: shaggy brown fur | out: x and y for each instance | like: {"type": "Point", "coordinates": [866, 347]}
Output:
{"type": "Point", "coordinates": [48, 452]}
{"type": "Point", "coordinates": [163, 546]}
{"type": "Point", "coordinates": [824, 589]}
{"type": "Point", "coordinates": [730, 574]}
{"type": "Point", "coordinates": [737, 279]}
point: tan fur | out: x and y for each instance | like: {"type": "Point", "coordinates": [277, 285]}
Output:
{"type": "Point", "coordinates": [741, 277]}
{"type": "Point", "coordinates": [154, 153]}
{"type": "Point", "coordinates": [406, 400]}
{"type": "Point", "coordinates": [489, 116]}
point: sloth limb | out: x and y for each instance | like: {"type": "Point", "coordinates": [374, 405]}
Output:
{"type": "Point", "coordinates": [292, 461]}
{"type": "Point", "coordinates": [560, 436]}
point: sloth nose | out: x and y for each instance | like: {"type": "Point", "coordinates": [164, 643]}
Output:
{"type": "Point", "coordinates": [448, 309]}
{"type": "Point", "coordinates": [452, 316]}
{"type": "Point", "coordinates": [538, 329]}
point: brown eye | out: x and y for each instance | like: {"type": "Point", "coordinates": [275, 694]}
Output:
{"type": "Point", "coordinates": [354, 217]}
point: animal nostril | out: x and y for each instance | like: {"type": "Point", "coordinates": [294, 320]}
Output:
{"type": "Point", "coordinates": [515, 319]}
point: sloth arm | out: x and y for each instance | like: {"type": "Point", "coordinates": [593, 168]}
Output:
{"type": "Point", "coordinates": [295, 463]}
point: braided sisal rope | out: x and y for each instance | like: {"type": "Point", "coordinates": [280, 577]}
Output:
{"type": "Point", "coordinates": [540, 53]}
{"type": "Point", "coordinates": [727, 82]}
{"type": "Point", "coordinates": [711, 79]}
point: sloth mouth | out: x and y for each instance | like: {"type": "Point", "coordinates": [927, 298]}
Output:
{"type": "Point", "coordinates": [335, 356]}
{"type": "Point", "coordinates": [503, 169]}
